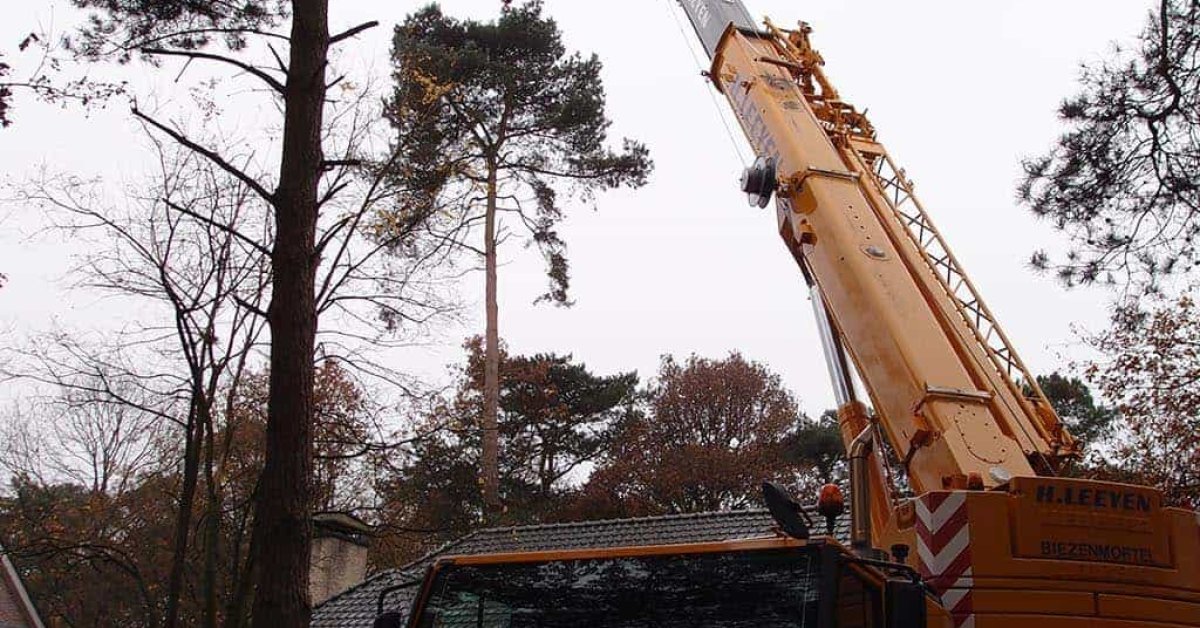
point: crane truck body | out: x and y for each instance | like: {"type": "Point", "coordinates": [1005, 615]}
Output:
{"type": "Point", "coordinates": [997, 537]}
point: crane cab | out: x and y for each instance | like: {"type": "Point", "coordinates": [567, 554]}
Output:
{"type": "Point", "coordinates": [765, 583]}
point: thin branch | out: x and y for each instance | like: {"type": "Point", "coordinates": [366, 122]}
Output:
{"type": "Point", "coordinates": [329, 195]}
{"type": "Point", "coordinates": [209, 154]}
{"type": "Point", "coordinates": [333, 233]}
{"type": "Point", "coordinates": [330, 164]}
{"type": "Point", "coordinates": [191, 54]}
{"type": "Point", "coordinates": [278, 60]}
{"type": "Point", "coordinates": [250, 307]}
{"type": "Point", "coordinates": [204, 31]}
{"type": "Point", "coordinates": [223, 227]}
{"type": "Point", "coordinates": [347, 34]}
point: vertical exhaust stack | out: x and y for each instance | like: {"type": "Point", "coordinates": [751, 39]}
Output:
{"type": "Point", "coordinates": [710, 18]}
{"type": "Point", "coordinates": [860, 492]}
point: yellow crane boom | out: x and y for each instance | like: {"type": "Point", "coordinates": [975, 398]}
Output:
{"type": "Point", "coordinates": [997, 534]}
{"type": "Point", "coordinates": [948, 387]}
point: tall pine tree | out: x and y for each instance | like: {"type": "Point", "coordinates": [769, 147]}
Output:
{"type": "Point", "coordinates": [497, 117]}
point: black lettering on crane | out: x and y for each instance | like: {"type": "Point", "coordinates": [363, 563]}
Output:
{"type": "Point", "coordinates": [1098, 552]}
{"type": "Point", "coordinates": [1106, 499]}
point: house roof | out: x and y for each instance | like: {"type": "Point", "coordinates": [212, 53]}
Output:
{"type": "Point", "coordinates": [16, 600]}
{"type": "Point", "coordinates": [358, 606]}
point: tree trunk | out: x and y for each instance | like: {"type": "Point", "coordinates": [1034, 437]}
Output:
{"type": "Point", "coordinates": [282, 522]}
{"type": "Point", "coordinates": [240, 594]}
{"type": "Point", "coordinates": [490, 465]}
{"type": "Point", "coordinates": [212, 526]}
{"type": "Point", "coordinates": [183, 518]}
{"type": "Point", "coordinates": [243, 578]}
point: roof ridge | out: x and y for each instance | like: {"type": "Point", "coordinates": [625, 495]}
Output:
{"type": "Point", "coordinates": [23, 602]}
{"type": "Point", "coordinates": [440, 550]}
{"type": "Point", "coordinates": [712, 514]}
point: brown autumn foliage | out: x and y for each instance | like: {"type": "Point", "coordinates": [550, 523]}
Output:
{"type": "Point", "coordinates": [1152, 375]}
{"type": "Point", "coordinates": [578, 446]}
{"type": "Point", "coordinates": [96, 557]}
{"type": "Point", "coordinates": [342, 439]}
{"type": "Point", "coordinates": [714, 430]}
{"type": "Point", "coordinates": [89, 558]}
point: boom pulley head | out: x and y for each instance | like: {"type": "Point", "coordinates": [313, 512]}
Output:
{"type": "Point", "coordinates": [760, 182]}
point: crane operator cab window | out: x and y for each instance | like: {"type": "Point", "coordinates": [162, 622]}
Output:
{"type": "Point", "coordinates": [772, 588]}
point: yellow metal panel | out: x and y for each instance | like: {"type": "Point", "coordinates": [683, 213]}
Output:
{"type": "Point", "coordinates": [1044, 602]}
{"type": "Point", "coordinates": [1149, 609]}
{"type": "Point", "coordinates": [1054, 621]}
{"type": "Point", "coordinates": [1089, 522]}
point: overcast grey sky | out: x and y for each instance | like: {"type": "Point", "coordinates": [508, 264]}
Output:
{"type": "Point", "coordinates": [959, 92]}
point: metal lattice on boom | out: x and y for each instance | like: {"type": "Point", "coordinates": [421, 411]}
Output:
{"type": "Point", "coordinates": [845, 124]}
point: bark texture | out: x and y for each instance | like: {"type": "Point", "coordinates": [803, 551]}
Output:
{"type": "Point", "coordinates": [491, 365]}
{"type": "Point", "coordinates": [282, 525]}
{"type": "Point", "coordinates": [183, 521]}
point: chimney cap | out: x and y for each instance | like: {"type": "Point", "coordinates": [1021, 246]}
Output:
{"type": "Point", "coordinates": [343, 526]}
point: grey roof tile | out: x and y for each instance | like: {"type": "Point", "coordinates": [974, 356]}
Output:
{"type": "Point", "coordinates": [358, 606]}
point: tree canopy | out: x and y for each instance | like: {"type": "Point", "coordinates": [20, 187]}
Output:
{"type": "Point", "coordinates": [1088, 420]}
{"type": "Point", "coordinates": [494, 118]}
{"type": "Point", "coordinates": [1121, 181]}
{"type": "Point", "coordinates": [504, 98]}
{"type": "Point", "coordinates": [6, 93]}
{"type": "Point", "coordinates": [1151, 372]}
{"type": "Point", "coordinates": [129, 27]}
{"type": "Point", "coordinates": [556, 419]}
{"type": "Point", "coordinates": [712, 432]}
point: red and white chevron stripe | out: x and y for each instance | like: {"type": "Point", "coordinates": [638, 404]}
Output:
{"type": "Point", "coordinates": [944, 551]}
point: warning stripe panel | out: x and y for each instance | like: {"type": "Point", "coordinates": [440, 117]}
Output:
{"type": "Point", "coordinates": [944, 552]}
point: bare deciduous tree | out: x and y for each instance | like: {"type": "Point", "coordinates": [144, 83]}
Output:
{"type": "Point", "coordinates": [180, 249]}
{"type": "Point", "coordinates": [72, 437]}
{"type": "Point", "coordinates": [297, 81]}
{"type": "Point", "coordinates": [195, 248]}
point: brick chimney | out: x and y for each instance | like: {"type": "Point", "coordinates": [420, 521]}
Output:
{"type": "Point", "coordinates": [339, 555]}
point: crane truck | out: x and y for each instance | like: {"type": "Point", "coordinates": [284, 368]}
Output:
{"type": "Point", "coordinates": [987, 533]}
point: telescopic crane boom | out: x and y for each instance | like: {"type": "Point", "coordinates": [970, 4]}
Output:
{"type": "Point", "coordinates": [967, 421]}
{"type": "Point", "coordinates": [955, 400]}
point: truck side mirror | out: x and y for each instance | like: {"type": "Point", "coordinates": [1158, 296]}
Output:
{"type": "Point", "coordinates": [786, 512]}
{"type": "Point", "coordinates": [904, 601]}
